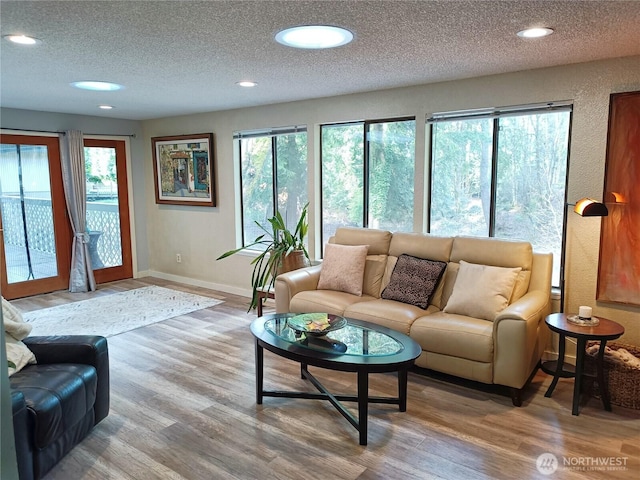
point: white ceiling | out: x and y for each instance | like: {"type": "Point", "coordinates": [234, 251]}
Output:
{"type": "Point", "coordinates": [183, 57]}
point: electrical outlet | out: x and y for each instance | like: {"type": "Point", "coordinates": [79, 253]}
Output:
{"type": "Point", "coordinates": [178, 258]}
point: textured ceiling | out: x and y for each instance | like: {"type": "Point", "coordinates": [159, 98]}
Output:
{"type": "Point", "coordinates": [182, 57]}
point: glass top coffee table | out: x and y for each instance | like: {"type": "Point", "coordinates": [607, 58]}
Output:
{"type": "Point", "coordinates": [357, 346]}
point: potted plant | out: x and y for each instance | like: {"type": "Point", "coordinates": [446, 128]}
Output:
{"type": "Point", "coordinates": [283, 251]}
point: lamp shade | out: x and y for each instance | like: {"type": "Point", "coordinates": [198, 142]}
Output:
{"type": "Point", "coordinates": [616, 197]}
{"type": "Point", "coordinates": [587, 207]}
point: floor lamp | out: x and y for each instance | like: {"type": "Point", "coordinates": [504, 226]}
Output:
{"type": "Point", "coordinates": [586, 207]}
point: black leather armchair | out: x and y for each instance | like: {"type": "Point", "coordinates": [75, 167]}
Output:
{"type": "Point", "coordinates": [57, 401]}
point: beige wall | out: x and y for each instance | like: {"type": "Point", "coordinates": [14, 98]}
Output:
{"type": "Point", "coordinates": [201, 234]}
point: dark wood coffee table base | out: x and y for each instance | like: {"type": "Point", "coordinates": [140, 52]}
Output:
{"type": "Point", "coordinates": [362, 398]}
{"type": "Point", "coordinates": [369, 348]}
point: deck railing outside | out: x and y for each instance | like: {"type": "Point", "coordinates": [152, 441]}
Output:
{"type": "Point", "coordinates": [101, 217]}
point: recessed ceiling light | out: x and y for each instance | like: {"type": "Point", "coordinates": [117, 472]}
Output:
{"type": "Point", "coordinates": [22, 39]}
{"type": "Point", "coordinates": [536, 32]}
{"type": "Point", "coordinates": [97, 86]}
{"type": "Point", "coordinates": [105, 107]}
{"type": "Point", "coordinates": [246, 84]}
{"type": "Point", "coordinates": [314, 36]}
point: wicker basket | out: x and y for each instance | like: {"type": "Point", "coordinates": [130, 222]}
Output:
{"type": "Point", "coordinates": [623, 382]}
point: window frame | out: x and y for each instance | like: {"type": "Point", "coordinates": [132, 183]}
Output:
{"type": "Point", "coordinates": [62, 232]}
{"type": "Point", "coordinates": [366, 163]}
{"type": "Point", "coordinates": [273, 133]}
{"type": "Point", "coordinates": [496, 114]}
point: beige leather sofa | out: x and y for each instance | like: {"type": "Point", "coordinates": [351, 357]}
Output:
{"type": "Point", "coordinates": [505, 351]}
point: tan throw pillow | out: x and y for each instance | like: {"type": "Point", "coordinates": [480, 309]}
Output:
{"type": "Point", "coordinates": [414, 280]}
{"type": "Point", "coordinates": [343, 268]}
{"type": "Point", "coordinates": [481, 291]}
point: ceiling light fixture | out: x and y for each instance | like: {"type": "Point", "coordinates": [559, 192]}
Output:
{"type": "Point", "coordinates": [246, 83]}
{"type": "Point", "coordinates": [314, 36]}
{"type": "Point", "coordinates": [105, 107]}
{"type": "Point", "coordinates": [22, 39]}
{"type": "Point", "coordinates": [537, 32]}
{"type": "Point", "coordinates": [97, 86]}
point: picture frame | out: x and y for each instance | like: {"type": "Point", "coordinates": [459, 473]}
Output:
{"type": "Point", "coordinates": [183, 169]}
{"type": "Point", "coordinates": [619, 262]}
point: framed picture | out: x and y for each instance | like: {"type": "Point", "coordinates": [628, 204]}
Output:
{"type": "Point", "coordinates": [183, 169]}
{"type": "Point", "coordinates": [619, 261]}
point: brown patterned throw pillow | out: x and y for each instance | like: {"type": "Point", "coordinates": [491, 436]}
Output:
{"type": "Point", "coordinates": [414, 280]}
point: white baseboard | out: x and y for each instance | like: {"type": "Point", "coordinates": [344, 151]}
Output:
{"type": "Point", "coordinates": [553, 356]}
{"type": "Point", "coordinates": [245, 292]}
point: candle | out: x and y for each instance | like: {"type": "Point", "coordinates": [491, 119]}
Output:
{"type": "Point", "coordinates": [585, 312]}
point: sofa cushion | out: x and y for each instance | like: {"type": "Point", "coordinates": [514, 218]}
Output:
{"type": "Point", "coordinates": [522, 285]}
{"type": "Point", "coordinates": [421, 245]}
{"type": "Point", "coordinates": [481, 291]}
{"type": "Point", "coordinates": [343, 268]}
{"type": "Point", "coordinates": [460, 367]}
{"type": "Point", "coordinates": [326, 301]}
{"type": "Point", "coordinates": [414, 280]}
{"type": "Point", "coordinates": [378, 240]}
{"type": "Point", "coordinates": [373, 275]}
{"type": "Point", "coordinates": [455, 335]}
{"type": "Point", "coordinates": [388, 313]}
{"type": "Point", "coordinates": [494, 252]}
{"type": "Point", "coordinates": [445, 286]}
{"type": "Point", "coordinates": [58, 396]}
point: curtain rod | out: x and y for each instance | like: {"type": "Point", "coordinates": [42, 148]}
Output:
{"type": "Point", "coordinates": [493, 112]}
{"type": "Point", "coordinates": [267, 132]}
{"type": "Point", "coordinates": [132, 135]}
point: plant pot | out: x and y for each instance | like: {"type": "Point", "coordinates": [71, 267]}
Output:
{"type": "Point", "coordinates": [293, 261]}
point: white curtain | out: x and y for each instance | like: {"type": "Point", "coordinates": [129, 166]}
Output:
{"type": "Point", "coordinates": [81, 278]}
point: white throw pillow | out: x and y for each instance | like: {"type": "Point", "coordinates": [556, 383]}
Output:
{"type": "Point", "coordinates": [481, 291]}
{"type": "Point", "coordinates": [343, 268]}
{"type": "Point", "coordinates": [19, 354]}
{"type": "Point", "coordinates": [16, 329]}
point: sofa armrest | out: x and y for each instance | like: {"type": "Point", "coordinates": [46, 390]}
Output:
{"type": "Point", "coordinates": [290, 283]}
{"type": "Point", "coordinates": [21, 429]}
{"type": "Point", "coordinates": [533, 305]}
{"type": "Point", "coordinates": [519, 337]}
{"type": "Point", "coordinates": [80, 349]}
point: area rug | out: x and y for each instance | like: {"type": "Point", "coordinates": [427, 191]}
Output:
{"type": "Point", "coordinates": [110, 315]}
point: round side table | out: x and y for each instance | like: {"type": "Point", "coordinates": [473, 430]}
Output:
{"type": "Point", "coordinates": [606, 330]}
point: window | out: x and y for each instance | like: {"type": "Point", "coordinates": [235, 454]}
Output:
{"type": "Point", "coordinates": [501, 174]}
{"type": "Point", "coordinates": [368, 175]}
{"type": "Point", "coordinates": [274, 175]}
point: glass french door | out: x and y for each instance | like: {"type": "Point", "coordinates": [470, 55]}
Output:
{"type": "Point", "coordinates": [35, 233]}
{"type": "Point", "coordinates": [35, 238]}
{"type": "Point", "coordinates": [108, 209]}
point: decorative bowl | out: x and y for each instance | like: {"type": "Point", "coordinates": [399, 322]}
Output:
{"type": "Point", "coordinates": [316, 324]}
{"type": "Point", "coordinates": [583, 322]}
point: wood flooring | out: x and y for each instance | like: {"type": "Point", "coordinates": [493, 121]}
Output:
{"type": "Point", "coordinates": [183, 407]}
